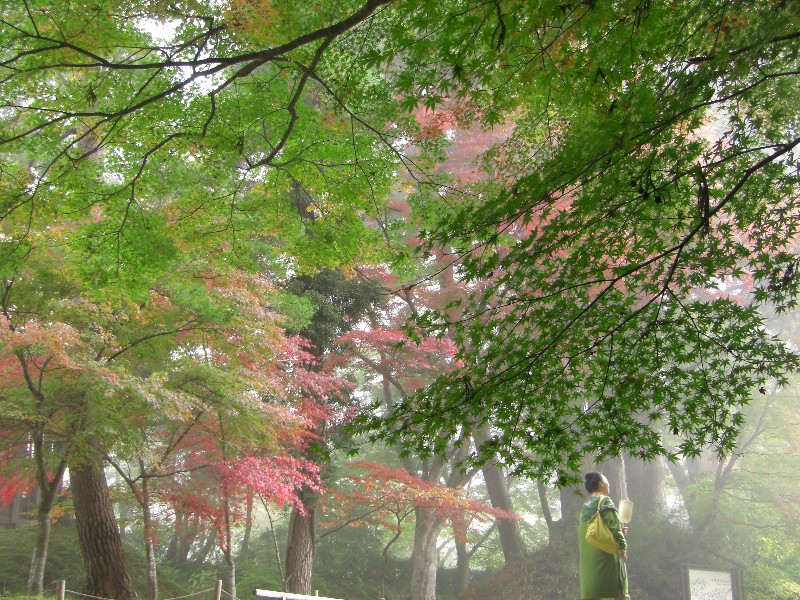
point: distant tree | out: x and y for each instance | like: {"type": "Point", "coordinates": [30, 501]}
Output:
{"type": "Point", "coordinates": [338, 304]}
{"type": "Point", "coordinates": [404, 363]}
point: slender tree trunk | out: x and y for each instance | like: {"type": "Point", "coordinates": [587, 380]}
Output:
{"type": "Point", "coordinates": [275, 546]}
{"type": "Point", "coordinates": [152, 573]}
{"type": "Point", "coordinates": [425, 556]}
{"type": "Point", "coordinates": [544, 504]}
{"type": "Point", "coordinates": [685, 474]}
{"type": "Point", "coordinates": [49, 488]}
{"type": "Point", "coordinates": [39, 560]}
{"type": "Point", "coordinates": [228, 544]}
{"type": "Point", "coordinates": [499, 496]}
{"type": "Point", "coordinates": [184, 537]}
{"type": "Point", "coordinates": [149, 542]}
{"type": "Point", "coordinates": [101, 545]}
{"type": "Point", "coordinates": [231, 572]}
{"type": "Point", "coordinates": [301, 547]}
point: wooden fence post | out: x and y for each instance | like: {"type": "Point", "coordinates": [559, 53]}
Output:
{"type": "Point", "coordinates": [61, 585]}
{"type": "Point", "coordinates": [218, 590]}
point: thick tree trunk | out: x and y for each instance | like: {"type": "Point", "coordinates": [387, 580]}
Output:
{"type": "Point", "coordinates": [301, 547]}
{"type": "Point", "coordinates": [499, 496]}
{"type": "Point", "coordinates": [425, 556]}
{"type": "Point", "coordinates": [614, 470]}
{"type": "Point", "coordinates": [101, 545]}
{"type": "Point", "coordinates": [646, 484]}
{"type": "Point", "coordinates": [564, 532]}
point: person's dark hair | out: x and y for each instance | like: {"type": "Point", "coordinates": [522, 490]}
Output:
{"type": "Point", "coordinates": [592, 481]}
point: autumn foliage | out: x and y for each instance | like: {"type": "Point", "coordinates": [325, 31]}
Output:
{"type": "Point", "coordinates": [387, 497]}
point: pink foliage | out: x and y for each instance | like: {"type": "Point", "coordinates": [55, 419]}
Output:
{"type": "Point", "coordinates": [392, 351]}
{"type": "Point", "coordinates": [218, 495]}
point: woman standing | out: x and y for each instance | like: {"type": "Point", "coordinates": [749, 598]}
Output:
{"type": "Point", "coordinates": [602, 574]}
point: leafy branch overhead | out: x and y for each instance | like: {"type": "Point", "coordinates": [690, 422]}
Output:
{"type": "Point", "coordinates": [140, 131]}
{"type": "Point", "coordinates": [642, 207]}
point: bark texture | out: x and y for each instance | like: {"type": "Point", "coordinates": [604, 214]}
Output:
{"type": "Point", "coordinates": [101, 545]}
{"type": "Point", "coordinates": [301, 547]}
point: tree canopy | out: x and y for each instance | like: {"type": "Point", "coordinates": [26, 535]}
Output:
{"type": "Point", "coordinates": [639, 206]}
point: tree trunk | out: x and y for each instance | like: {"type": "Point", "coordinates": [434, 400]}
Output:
{"type": "Point", "coordinates": [685, 474]}
{"type": "Point", "coordinates": [462, 569]}
{"type": "Point", "coordinates": [48, 492]}
{"type": "Point", "coordinates": [149, 542]}
{"type": "Point", "coordinates": [564, 532]}
{"type": "Point", "coordinates": [39, 560]}
{"type": "Point", "coordinates": [646, 484]}
{"type": "Point", "coordinates": [499, 496]}
{"type": "Point", "coordinates": [301, 547]}
{"type": "Point", "coordinates": [231, 573]}
{"type": "Point", "coordinates": [425, 556]}
{"type": "Point", "coordinates": [171, 555]}
{"type": "Point", "coordinates": [101, 545]}
{"type": "Point", "coordinates": [244, 548]}
{"type": "Point", "coordinates": [510, 535]}
{"type": "Point", "coordinates": [152, 572]}
{"type": "Point", "coordinates": [614, 470]}
{"type": "Point", "coordinates": [228, 544]}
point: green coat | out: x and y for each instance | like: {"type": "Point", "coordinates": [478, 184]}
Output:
{"type": "Point", "coordinates": [602, 574]}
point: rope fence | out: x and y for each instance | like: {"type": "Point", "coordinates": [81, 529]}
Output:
{"type": "Point", "coordinates": [214, 593]}
{"type": "Point", "coordinates": [208, 591]}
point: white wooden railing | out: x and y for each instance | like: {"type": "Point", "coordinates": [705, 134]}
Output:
{"type": "Point", "coordinates": [273, 595]}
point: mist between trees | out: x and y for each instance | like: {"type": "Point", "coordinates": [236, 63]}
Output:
{"type": "Point", "coordinates": [329, 295]}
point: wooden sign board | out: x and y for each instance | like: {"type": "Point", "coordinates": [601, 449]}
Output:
{"type": "Point", "coordinates": [708, 583]}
